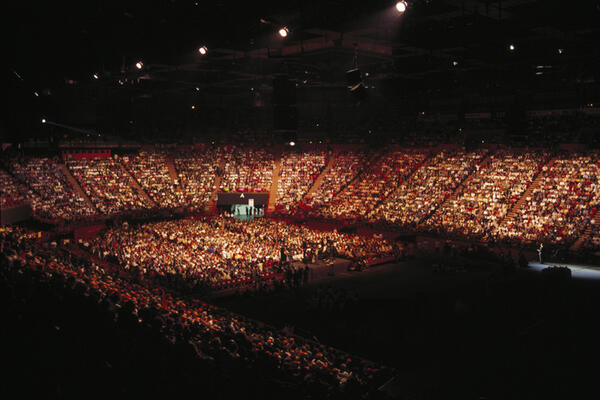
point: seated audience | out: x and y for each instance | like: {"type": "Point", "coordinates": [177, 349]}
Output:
{"type": "Point", "coordinates": [107, 186]}
{"type": "Point", "coordinates": [560, 208]}
{"type": "Point", "coordinates": [297, 173]}
{"type": "Point", "coordinates": [57, 198]}
{"type": "Point", "coordinates": [430, 186]}
{"type": "Point", "coordinates": [374, 184]}
{"type": "Point", "coordinates": [346, 166]}
{"type": "Point", "coordinates": [247, 169]}
{"type": "Point", "coordinates": [152, 173]}
{"type": "Point", "coordinates": [487, 198]}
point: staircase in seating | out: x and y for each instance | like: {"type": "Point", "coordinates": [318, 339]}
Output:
{"type": "Point", "coordinates": [76, 186]}
{"type": "Point", "coordinates": [212, 203]}
{"type": "Point", "coordinates": [537, 180]}
{"type": "Point", "coordinates": [369, 163]}
{"type": "Point", "coordinates": [135, 185]}
{"type": "Point", "coordinates": [172, 172]}
{"type": "Point", "coordinates": [459, 189]}
{"type": "Point", "coordinates": [424, 164]}
{"type": "Point", "coordinates": [592, 227]}
{"type": "Point", "coordinates": [275, 181]}
{"type": "Point", "coordinates": [317, 183]}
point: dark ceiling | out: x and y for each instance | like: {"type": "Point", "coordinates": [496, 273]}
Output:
{"type": "Point", "coordinates": [57, 41]}
{"type": "Point", "coordinates": [436, 45]}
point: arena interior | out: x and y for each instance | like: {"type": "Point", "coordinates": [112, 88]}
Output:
{"type": "Point", "coordinates": [301, 200]}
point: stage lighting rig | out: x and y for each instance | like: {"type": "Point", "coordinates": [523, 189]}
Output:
{"type": "Point", "coordinates": [283, 31]}
{"type": "Point", "coordinates": [401, 6]}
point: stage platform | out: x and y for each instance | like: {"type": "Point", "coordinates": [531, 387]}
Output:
{"type": "Point", "coordinates": [577, 271]}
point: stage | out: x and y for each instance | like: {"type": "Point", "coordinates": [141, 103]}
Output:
{"type": "Point", "coordinates": [577, 271]}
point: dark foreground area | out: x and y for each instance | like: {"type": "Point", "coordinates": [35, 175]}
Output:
{"type": "Point", "coordinates": [63, 344]}
{"type": "Point", "coordinates": [478, 332]}
{"type": "Point", "coordinates": [482, 332]}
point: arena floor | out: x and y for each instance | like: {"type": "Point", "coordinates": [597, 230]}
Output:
{"type": "Point", "coordinates": [456, 333]}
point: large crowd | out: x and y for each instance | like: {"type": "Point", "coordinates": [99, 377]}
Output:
{"type": "Point", "coordinates": [55, 197]}
{"type": "Point", "coordinates": [559, 209]}
{"type": "Point", "coordinates": [431, 185]}
{"type": "Point", "coordinates": [297, 173]}
{"type": "Point", "coordinates": [212, 332]}
{"type": "Point", "coordinates": [14, 193]}
{"type": "Point", "coordinates": [454, 192]}
{"type": "Point", "coordinates": [247, 169]}
{"type": "Point", "coordinates": [374, 184]}
{"type": "Point", "coordinates": [151, 171]}
{"type": "Point", "coordinates": [485, 200]}
{"type": "Point", "coordinates": [223, 248]}
{"type": "Point", "coordinates": [107, 185]}
{"type": "Point", "coordinates": [197, 172]}
{"type": "Point", "coordinates": [346, 166]}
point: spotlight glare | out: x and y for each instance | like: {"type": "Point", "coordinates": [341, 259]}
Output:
{"type": "Point", "coordinates": [401, 6]}
{"type": "Point", "coordinates": [95, 76]}
{"type": "Point", "coordinates": [139, 65]}
{"type": "Point", "coordinates": [283, 31]}
{"type": "Point", "coordinates": [43, 120]}
{"type": "Point", "coordinates": [203, 50]}
{"type": "Point", "coordinates": [511, 47]}
{"type": "Point", "coordinates": [292, 144]}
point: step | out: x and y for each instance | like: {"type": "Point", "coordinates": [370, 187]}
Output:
{"type": "Point", "coordinates": [374, 158]}
{"type": "Point", "coordinates": [461, 186]}
{"type": "Point", "coordinates": [212, 203]}
{"type": "Point", "coordinates": [275, 181]}
{"type": "Point", "coordinates": [423, 164]}
{"type": "Point", "coordinates": [317, 183]}
{"type": "Point", "coordinates": [76, 186]}
{"type": "Point", "coordinates": [537, 179]}
{"type": "Point", "coordinates": [586, 234]}
{"type": "Point", "coordinates": [173, 172]}
{"type": "Point", "coordinates": [135, 185]}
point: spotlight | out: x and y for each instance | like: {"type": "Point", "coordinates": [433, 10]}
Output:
{"type": "Point", "coordinates": [95, 76]}
{"type": "Point", "coordinates": [203, 50]}
{"type": "Point", "coordinates": [43, 120]}
{"type": "Point", "coordinates": [139, 65]}
{"type": "Point", "coordinates": [36, 94]}
{"type": "Point", "coordinates": [511, 47]}
{"type": "Point", "coordinates": [401, 6]}
{"type": "Point", "coordinates": [292, 144]}
{"type": "Point", "coordinates": [283, 31]}
{"type": "Point", "coordinates": [560, 51]}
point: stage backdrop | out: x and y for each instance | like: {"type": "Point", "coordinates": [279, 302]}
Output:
{"type": "Point", "coordinates": [229, 198]}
